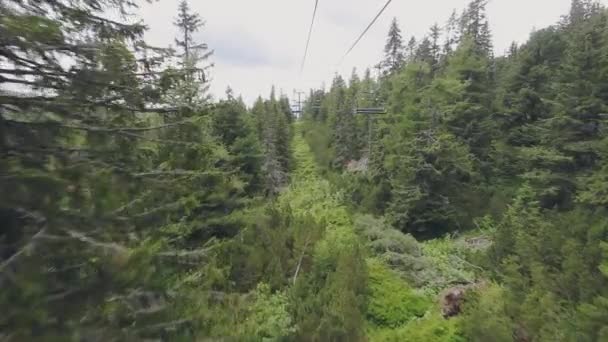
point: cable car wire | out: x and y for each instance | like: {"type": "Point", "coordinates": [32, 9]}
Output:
{"type": "Point", "coordinates": [312, 23]}
{"type": "Point", "coordinates": [365, 31]}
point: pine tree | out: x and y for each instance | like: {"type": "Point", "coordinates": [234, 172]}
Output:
{"type": "Point", "coordinates": [435, 35]}
{"type": "Point", "coordinates": [67, 164]}
{"type": "Point", "coordinates": [581, 10]}
{"type": "Point", "coordinates": [393, 50]}
{"type": "Point", "coordinates": [452, 34]}
{"type": "Point", "coordinates": [193, 76]}
{"type": "Point", "coordinates": [354, 86]}
{"type": "Point", "coordinates": [115, 195]}
{"type": "Point", "coordinates": [342, 123]}
{"type": "Point", "coordinates": [469, 118]}
{"type": "Point", "coordinates": [368, 94]}
{"type": "Point", "coordinates": [475, 26]}
{"type": "Point", "coordinates": [236, 130]}
{"type": "Point", "coordinates": [513, 49]}
{"type": "Point", "coordinates": [526, 239]}
{"type": "Point", "coordinates": [424, 52]}
{"type": "Point", "coordinates": [188, 23]}
{"type": "Point", "coordinates": [411, 49]}
{"type": "Point", "coordinates": [272, 122]}
{"type": "Point", "coordinates": [284, 133]}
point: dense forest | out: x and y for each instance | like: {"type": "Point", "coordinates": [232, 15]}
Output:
{"type": "Point", "coordinates": [453, 196]}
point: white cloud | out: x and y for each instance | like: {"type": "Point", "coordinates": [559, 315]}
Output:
{"type": "Point", "coordinates": [260, 43]}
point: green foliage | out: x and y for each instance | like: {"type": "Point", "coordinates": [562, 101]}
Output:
{"type": "Point", "coordinates": [272, 119]}
{"type": "Point", "coordinates": [402, 253]}
{"type": "Point", "coordinates": [486, 317]}
{"type": "Point", "coordinates": [391, 302]}
{"type": "Point", "coordinates": [430, 266]}
{"type": "Point", "coordinates": [449, 259]}
{"type": "Point", "coordinates": [592, 317]}
{"type": "Point", "coordinates": [426, 183]}
{"type": "Point", "coordinates": [268, 318]}
{"type": "Point", "coordinates": [432, 327]}
{"type": "Point", "coordinates": [318, 138]}
{"type": "Point", "coordinates": [235, 128]}
{"type": "Point", "coordinates": [542, 260]}
{"type": "Point", "coordinates": [124, 195]}
{"type": "Point", "coordinates": [134, 209]}
{"type": "Point", "coordinates": [32, 28]}
{"type": "Point", "coordinates": [519, 140]}
{"type": "Point", "coordinates": [328, 298]}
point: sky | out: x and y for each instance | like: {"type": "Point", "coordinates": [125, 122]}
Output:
{"type": "Point", "coordinates": [260, 43]}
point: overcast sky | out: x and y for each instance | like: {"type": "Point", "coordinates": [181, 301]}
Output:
{"type": "Point", "coordinates": [260, 43]}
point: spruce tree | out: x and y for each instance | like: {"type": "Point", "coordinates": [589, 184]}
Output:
{"type": "Point", "coordinates": [452, 34]}
{"type": "Point", "coordinates": [193, 73]}
{"type": "Point", "coordinates": [342, 123]}
{"type": "Point", "coordinates": [272, 122]}
{"type": "Point", "coordinates": [411, 49]}
{"type": "Point", "coordinates": [393, 50]}
{"type": "Point", "coordinates": [475, 26]}
{"type": "Point", "coordinates": [435, 34]}
{"type": "Point", "coordinates": [424, 52]}
{"type": "Point", "coordinates": [115, 195]}
{"type": "Point", "coordinates": [469, 118]}
{"type": "Point", "coordinates": [581, 10]}
{"type": "Point", "coordinates": [235, 128]}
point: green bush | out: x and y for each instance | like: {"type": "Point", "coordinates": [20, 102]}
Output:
{"type": "Point", "coordinates": [391, 301]}
{"type": "Point", "coordinates": [268, 318]}
{"type": "Point", "coordinates": [431, 328]}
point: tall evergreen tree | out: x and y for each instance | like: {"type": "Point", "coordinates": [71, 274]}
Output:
{"type": "Point", "coordinates": [272, 122]}
{"type": "Point", "coordinates": [393, 50]}
{"type": "Point", "coordinates": [470, 117]}
{"type": "Point", "coordinates": [105, 215]}
{"type": "Point", "coordinates": [452, 34]}
{"type": "Point", "coordinates": [581, 10]}
{"type": "Point", "coordinates": [424, 52]}
{"type": "Point", "coordinates": [435, 35]}
{"type": "Point", "coordinates": [236, 130]}
{"type": "Point", "coordinates": [342, 124]}
{"type": "Point", "coordinates": [411, 49]}
{"type": "Point", "coordinates": [193, 73]}
{"type": "Point", "coordinates": [475, 26]}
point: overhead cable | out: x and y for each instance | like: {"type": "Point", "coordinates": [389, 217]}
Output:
{"type": "Point", "coordinates": [312, 23]}
{"type": "Point", "coordinates": [365, 31]}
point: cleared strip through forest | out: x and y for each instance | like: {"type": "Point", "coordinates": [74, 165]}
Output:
{"type": "Point", "coordinates": [380, 283]}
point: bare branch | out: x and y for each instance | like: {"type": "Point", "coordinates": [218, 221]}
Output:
{"type": "Point", "coordinates": [163, 326]}
{"type": "Point", "coordinates": [164, 207]}
{"type": "Point", "coordinates": [29, 247]}
{"type": "Point", "coordinates": [62, 295]}
{"type": "Point", "coordinates": [169, 173]}
{"type": "Point", "coordinates": [72, 234]}
{"type": "Point", "coordinates": [184, 254]}
{"type": "Point", "coordinates": [130, 204]}
{"type": "Point", "coordinates": [295, 276]}
{"type": "Point", "coordinates": [66, 268]}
